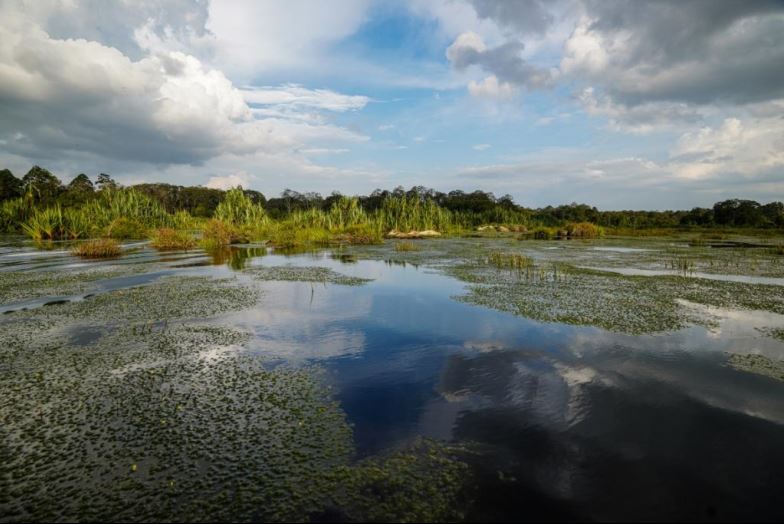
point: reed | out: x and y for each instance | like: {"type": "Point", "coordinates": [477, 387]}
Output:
{"type": "Point", "coordinates": [513, 261]}
{"type": "Point", "coordinates": [237, 209]}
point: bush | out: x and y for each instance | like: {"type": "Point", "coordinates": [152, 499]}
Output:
{"type": "Point", "coordinates": [543, 233]}
{"type": "Point", "coordinates": [218, 233]}
{"type": "Point", "coordinates": [123, 228]}
{"type": "Point", "coordinates": [167, 238]}
{"type": "Point", "coordinates": [98, 248]}
{"type": "Point", "coordinates": [584, 230]}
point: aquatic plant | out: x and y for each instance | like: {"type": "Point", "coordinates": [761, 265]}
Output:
{"type": "Point", "coordinates": [683, 265]}
{"type": "Point", "coordinates": [515, 261]}
{"type": "Point", "coordinates": [167, 238]}
{"type": "Point", "coordinates": [98, 248]}
{"type": "Point", "coordinates": [406, 246]}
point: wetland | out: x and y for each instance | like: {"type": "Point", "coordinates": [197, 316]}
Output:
{"type": "Point", "coordinates": [445, 379]}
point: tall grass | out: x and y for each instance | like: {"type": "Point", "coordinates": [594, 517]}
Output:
{"type": "Point", "coordinates": [96, 217]}
{"type": "Point", "coordinates": [406, 213]}
{"type": "Point", "coordinates": [237, 209]}
{"type": "Point", "coordinates": [13, 213]}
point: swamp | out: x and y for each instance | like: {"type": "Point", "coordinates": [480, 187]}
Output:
{"type": "Point", "coordinates": [475, 377]}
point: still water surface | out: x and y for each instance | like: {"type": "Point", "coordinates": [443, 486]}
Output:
{"type": "Point", "coordinates": [573, 422]}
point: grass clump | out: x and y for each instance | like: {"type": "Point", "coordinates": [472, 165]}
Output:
{"type": "Point", "coordinates": [126, 228]}
{"type": "Point", "coordinates": [515, 261]}
{"type": "Point", "coordinates": [406, 246]}
{"type": "Point", "coordinates": [170, 239]}
{"type": "Point", "coordinates": [584, 230]}
{"type": "Point", "coordinates": [98, 248]}
{"type": "Point", "coordinates": [219, 233]}
{"type": "Point", "coordinates": [541, 233]}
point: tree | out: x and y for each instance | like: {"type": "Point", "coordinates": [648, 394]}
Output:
{"type": "Point", "coordinates": [78, 191]}
{"type": "Point", "coordinates": [106, 182]}
{"type": "Point", "coordinates": [42, 186]}
{"type": "Point", "coordinates": [10, 186]}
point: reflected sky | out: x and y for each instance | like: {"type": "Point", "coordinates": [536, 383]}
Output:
{"type": "Point", "coordinates": [606, 425]}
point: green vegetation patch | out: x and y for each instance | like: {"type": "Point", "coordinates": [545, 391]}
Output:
{"type": "Point", "coordinates": [24, 285]}
{"type": "Point", "coordinates": [758, 364]}
{"type": "Point", "coordinates": [305, 274]}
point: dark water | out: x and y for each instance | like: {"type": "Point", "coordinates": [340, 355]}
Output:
{"type": "Point", "coordinates": [571, 422]}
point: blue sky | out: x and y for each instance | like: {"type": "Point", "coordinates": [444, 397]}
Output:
{"type": "Point", "coordinates": [616, 104]}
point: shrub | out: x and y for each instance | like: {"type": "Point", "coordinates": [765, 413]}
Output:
{"type": "Point", "coordinates": [123, 228]}
{"type": "Point", "coordinates": [167, 238]}
{"type": "Point", "coordinates": [584, 230]}
{"type": "Point", "coordinates": [98, 248]}
{"type": "Point", "coordinates": [217, 233]}
{"type": "Point", "coordinates": [542, 233]}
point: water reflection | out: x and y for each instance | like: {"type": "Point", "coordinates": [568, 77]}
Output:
{"type": "Point", "coordinates": [564, 422]}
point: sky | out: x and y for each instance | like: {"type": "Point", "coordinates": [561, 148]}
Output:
{"type": "Point", "coordinates": [617, 104]}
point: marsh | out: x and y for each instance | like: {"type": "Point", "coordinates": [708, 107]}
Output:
{"type": "Point", "coordinates": [463, 379]}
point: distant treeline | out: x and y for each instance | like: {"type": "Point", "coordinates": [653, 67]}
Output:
{"type": "Point", "coordinates": [44, 189]}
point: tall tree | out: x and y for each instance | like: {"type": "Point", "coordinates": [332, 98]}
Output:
{"type": "Point", "coordinates": [10, 186]}
{"type": "Point", "coordinates": [106, 182]}
{"type": "Point", "coordinates": [42, 186]}
{"type": "Point", "coordinates": [78, 191]}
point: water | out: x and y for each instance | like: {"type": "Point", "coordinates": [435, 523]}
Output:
{"type": "Point", "coordinates": [569, 421]}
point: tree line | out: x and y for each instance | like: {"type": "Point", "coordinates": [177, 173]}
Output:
{"type": "Point", "coordinates": [44, 189]}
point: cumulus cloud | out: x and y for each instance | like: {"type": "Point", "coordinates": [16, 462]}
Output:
{"type": "Point", "coordinates": [751, 148]}
{"type": "Point", "coordinates": [69, 95]}
{"type": "Point", "coordinates": [531, 17]}
{"type": "Point", "coordinates": [701, 52]}
{"type": "Point", "coordinates": [504, 62]}
{"type": "Point", "coordinates": [240, 179]}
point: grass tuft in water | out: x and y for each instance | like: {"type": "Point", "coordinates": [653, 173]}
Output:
{"type": "Point", "coordinates": [98, 248]}
{"type": "Point", "coordinates": [406, 246]}
{"type": "Point", "coordinates": [171, 239]}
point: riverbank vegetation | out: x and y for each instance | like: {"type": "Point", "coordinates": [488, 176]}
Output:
{"type": "Point", "coordinates": [40, 206]}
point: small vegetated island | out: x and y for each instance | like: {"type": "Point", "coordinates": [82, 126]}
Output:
{"type": "Point", "coordinates": [187, 353]}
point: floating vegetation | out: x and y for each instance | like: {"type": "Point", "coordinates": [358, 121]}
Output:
{"type": "Point", "coordinates": [98, 248]}
{"type": "Point", "coordinates": [420, 483]}
{"type": "Point", "coordinates": [406, 246]}
{"type": "Point", "coordinates": [758, 364]}
{"type": "Point", "coordinates": [171, 239]}
{"type": "Point", "coordinates": [304, 274]}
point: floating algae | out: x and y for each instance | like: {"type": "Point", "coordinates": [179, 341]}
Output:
{"type": "Point", "coordinates": [160, 418]}
{"type": "Point", "coordinates": [305, 274]}
{"type": "Point", "coordinates": [758, 364]}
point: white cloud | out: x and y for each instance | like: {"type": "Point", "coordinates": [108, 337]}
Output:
{"type": "Point", "coordinates": [69, 96]}
{"type": "Point", "coordinates": [490, 87]}
{"type": "Point", "coordinates": [747, 148]}
{"type": "Point", "coordinates": [241, 178]}
{"type": "Point", "coordinates": [480, 147]}
{"type": "Point", "coordinates": [292, 95]}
